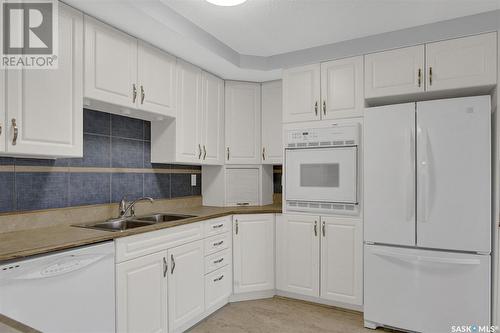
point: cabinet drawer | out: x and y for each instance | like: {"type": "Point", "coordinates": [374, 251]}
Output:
{"type": "Point", "coordinates": [217, 226]}
{"type": "Point", "coordinates": [218, 287]}
{"type": "Point", "coordinates": [150, 242]}
{"type": "Point", "coordinates": [217, 243]}
{"type": "Point", "coordinates": [217, 260]}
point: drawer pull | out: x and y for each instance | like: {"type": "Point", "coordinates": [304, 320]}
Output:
{"type": "Point", "coordinates": [173, 264]}
{"type": "Point", "coordinates": [243, 204]}
{"type": "Point", "coordinates": [165, 267]}
{"type": "Point", "coordinates": [218, 261]}
{"type": "Point", "coordinates": [218, 243]}
{"type": "Point", "coordinates": [217, 226]}
{"type": "Point", "coordinates": [16, 131]}
{"type": "Point", "coordinates": [219, 278]}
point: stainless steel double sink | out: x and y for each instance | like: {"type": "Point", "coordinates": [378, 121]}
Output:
{"type": "Point", "coordinates": [122, 224]}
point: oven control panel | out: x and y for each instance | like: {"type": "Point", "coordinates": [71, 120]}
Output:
{"type": "Point", "coordinates": [340, 135]}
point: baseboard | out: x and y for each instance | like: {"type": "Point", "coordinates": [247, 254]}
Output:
{"type": "Point", "coordinates": [252, 296]}
{"type": "Point", "coordinates": [317, 300]}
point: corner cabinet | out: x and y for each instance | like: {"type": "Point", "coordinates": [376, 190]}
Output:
{"type": "Point", "coordinates": [329, 90]}
{"type": "Point", "coordinates": [321, 257]}
{"type": "Point", "coordinates": [43, 113]}
{"type": "Point", "coordinates": [243, 122]}
{"type": "Point", "coordinates": [253, 253]}
{"type": "Point", "coordinates": [455, 64]}
{"type": "Point", "coordinates": [272, 128]}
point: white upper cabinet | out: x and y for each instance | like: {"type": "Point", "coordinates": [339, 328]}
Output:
{"type": "Point", "coordinates": [297, 256]}
{"type": "Point", "coordinates": [253, 252]}
{"type": "Point", "coordinates": [186, 286]}
{"type": "Point", "coordinates": [243, 120]}
{"type": "Point", "coordinates": [156, 80]}
{"type": "Point", "coordinates": [44, 108]}
{"type": "Point", "coordinates": [141, 295]}
{"type": "Point", "coordinates": [342, 88]}
{"type": "Point", "coordinates": [110, 64]}
{"type": "Point", "coordinates": [212, 129]}
{"type": "Point", "coordinates": [272, 110]}
{"type": "Point", "coordinates": [395, 72]}
{"type": "Point", "coordinates": [188, 120]}
{"type": "Point", "coordinates": [301, 93]}
{"type": "Point", "coordinates": [462, 62]}
{"type": "Point", "coordinates": [342, 260]}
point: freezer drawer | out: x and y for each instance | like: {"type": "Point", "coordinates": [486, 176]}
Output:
{"type": "Point", "coordinates": [425, 291]}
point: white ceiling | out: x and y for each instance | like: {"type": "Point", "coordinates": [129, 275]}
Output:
{"type": "Point", "coordinates": [270, 27]}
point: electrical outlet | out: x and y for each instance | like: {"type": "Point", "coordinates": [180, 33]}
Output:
{"type": "Point", "coordinates": [193, 180]}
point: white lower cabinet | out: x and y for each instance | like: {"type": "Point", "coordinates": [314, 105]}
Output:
{"type": "Point", "coordinates": [253, 252]}
{"type": "Point", "coordinates": [320, 257]}
{"type": "Point", "coordinates": [186, 284]}
{"type": "Point", "coordinates": [218, 288]}
{"type": "Point", "coordinates": [298, 254]}
{"type": "Point", "coordinates": [141, 295]}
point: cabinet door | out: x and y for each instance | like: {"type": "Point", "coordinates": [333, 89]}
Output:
{"type": "Point", "coordinates": [342, 260]}
{"type": "Point", "coordinates": [462, 62]}
{"type": "Point", "coordinates": [242, 123]}
{"type": "Point", "coordinates": [47, 105]}
{"type": "Point", "coordinates": [213, 119]}
{"type": "Point", "coordinates": [272, 128]}
{"type": "Point", "coordinates": [297, 258]}
{"type": "Point", "coordinates": [342, 88]}
{"type": "Point", "coordinates": [395, 72]}
{"type": "Point", "coordinates": [188, 119]}
{"type": "Point", "coordinates": [253, 251]}
{"type": "Point", "coordinates": [141, 295]}
{"type": "Point", "coordinates": [156, 80]}
{"type": "Point", "coordinates": [389, 174]}
{"type": "Point", "coordinates": [301, 93]}
{"type": "Point", "coordinates": [110, 64]}
{"type": "Point", "coordinates": [218, 288]}
{"type": "Point", "coordinates": [186, 285]}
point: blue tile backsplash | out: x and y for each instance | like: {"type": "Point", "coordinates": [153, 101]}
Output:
{"type": "Point", "coordinates": [110, 141]}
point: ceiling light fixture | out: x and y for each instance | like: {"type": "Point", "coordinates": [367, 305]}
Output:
{"type": "Point", "coordinates": [226, 3]}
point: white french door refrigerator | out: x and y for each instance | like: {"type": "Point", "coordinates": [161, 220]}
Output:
{"type": "Point", "coordinates": [427, 215]}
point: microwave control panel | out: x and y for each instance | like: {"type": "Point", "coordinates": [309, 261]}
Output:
{"type": "Point", "coordinates": [345, 135]}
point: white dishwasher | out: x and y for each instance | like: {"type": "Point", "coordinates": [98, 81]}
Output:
{"type": "Point", "coordinates": [66, 292]}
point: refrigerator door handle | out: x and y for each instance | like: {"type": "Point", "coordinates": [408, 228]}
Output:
{"type": "Point", "coordinates": [410, 205]}
{"type": "Point", "coordinates": [394, 255]}
{"type": "Point", "coordinates": [423, 177]}
{"type": "Point", "coordinates": [452, 261]}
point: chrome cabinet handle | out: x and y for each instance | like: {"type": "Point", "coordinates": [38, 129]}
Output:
{"type": "Point", "coordinates": [227, 149]}
{"type": "Point", "coordinates": [199, 151]}
{"type": "Point", "coordinates": [204, 152]}
{"type": "Point", "coordinates": [165, 267]}
{"type": "Point", "coordinates": [315, 228]}
{"type": "Point", "coordinates": [134, 92]}
{"type": "Point", "coordinates": [218, 261]}
{"type": "Point", "coordinates": [324, 108]}
{"type": "Point", "coordinates": [236, 229]}
{"type": "Point", "coordinates": [316, 108]}
{"type": "Point", "coordinates": [217, 226]}
{"type": "Point", "coordinates": [430, 76]}
{"type": "Point", "coordinates": [323, 229]}
{"type": "Point", "coordinates": [0, 129]}
{"type": "Point", "coordinates": [243, 204]}
{"type": "Point", "coordinates": [219, 278]}
{"type": "Point", "coordinates": [263, 153]}
{"type": "Point", "coordinates": [419, 74]}
{"type": "Point", "coordinates": [173, 264]}
{"type": "Point", "coordinates": [143, 94]}
{"type": "Point", "coordinates": [218, 243]}
{"type": "Point", "coordinates": [16, 131]}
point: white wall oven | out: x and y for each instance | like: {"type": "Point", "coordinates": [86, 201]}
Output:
{"type": "Point", "coordinates": [321, 170]}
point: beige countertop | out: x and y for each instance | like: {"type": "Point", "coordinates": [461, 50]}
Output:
{"type": "Point", "coordinates": [24, 243]}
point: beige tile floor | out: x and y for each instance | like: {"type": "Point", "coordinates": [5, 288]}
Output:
{"type": "Point", "coordinates": [280, 315]}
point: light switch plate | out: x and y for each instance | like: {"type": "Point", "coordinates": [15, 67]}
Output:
{"type": "Point", "coordinates": [193, 180]}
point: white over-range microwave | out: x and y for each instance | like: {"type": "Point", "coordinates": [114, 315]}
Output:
{"type": "Point", "coordinates": [321, 170]}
